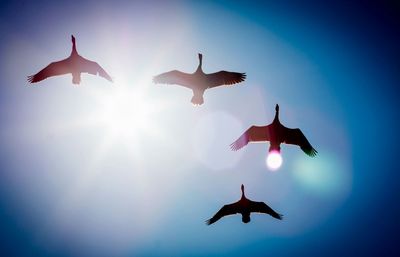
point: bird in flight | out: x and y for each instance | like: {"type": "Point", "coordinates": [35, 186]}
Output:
{"type": "Point", "coordinates": [245, 207]}
{"type": "Point", "coordinates": [74, 64]}
{"type": "Point", "coordinates": [276, 134]}
{"type": "Point", "coordinates": [199, 81]}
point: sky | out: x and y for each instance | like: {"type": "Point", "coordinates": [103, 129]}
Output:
{"type": "Point", "coordinates": [131, 168]}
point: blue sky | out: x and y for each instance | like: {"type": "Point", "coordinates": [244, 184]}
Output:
{"type": "Point", "coordinates": [133, 169]}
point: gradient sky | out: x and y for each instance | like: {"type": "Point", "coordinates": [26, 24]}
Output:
{"type": "Point", "coordinates": [133, 169]}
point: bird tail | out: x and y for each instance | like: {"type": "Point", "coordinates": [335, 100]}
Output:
{"type": "Point", "coordinates": [76, 79]}
{"type": "Point", "coordinates": [197, 99]}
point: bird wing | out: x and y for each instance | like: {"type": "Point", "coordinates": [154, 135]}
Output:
{"type": "Point", "coordinates": [253, 134]}
{"type": "Point", "coordinates": [93, 68]}
{"type": "Point", "coordinates": [228, 209]}
{"type": "Point", "coordinates": [224, 78]}
{"type": "Point", "coordinates": [53, 69]}
{"type": "Point", "coordinates": [296, 137]}
{"type": "Point", "coordinates": [262, 207]}
{"type": "Point", "coordinates": [175, 77]}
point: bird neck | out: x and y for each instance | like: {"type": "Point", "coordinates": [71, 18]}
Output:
{"type": "Point", "coordinates": [276, 119]}
{"type": "Point", "coordinates": [200, 62]}
{"type": "Point", "coordinates": [74, 51]}
{"type": "Point", "coordinates": [242, 188]}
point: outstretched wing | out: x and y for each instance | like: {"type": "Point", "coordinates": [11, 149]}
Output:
{"type": "Point", "coordinates": [224, 78]}
{"type": "Point", "coordinates": [262, 207]}
{"type": "Point", "coordinates": [296, 137]}
{"type": "Point", "coordinates": [253, 134]}
{"type": "Point", "coordinates": [226, 210]}
{"type": "Point", "coordinates": [53, 69]}
{"type": "Point", "coordinates": [93, 68]}
{"type": "Point", "coordinates": [175, 77]}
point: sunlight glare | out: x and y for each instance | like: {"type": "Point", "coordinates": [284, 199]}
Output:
{"type": "Point", "coordinates": [127, 112]}
{"type": "Point", "coordinates": [274, 160]}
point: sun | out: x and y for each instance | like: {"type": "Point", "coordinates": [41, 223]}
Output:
{"type": "Point", "coordinates": [128, 113]}
{"type": "Point", "coordinates": [125, 113]}
{"type": "Point", "coordinates": [274, 160]}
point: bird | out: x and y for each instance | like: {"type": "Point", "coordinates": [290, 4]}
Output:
{"type": "Point", "coordinates": [276, 134]}
{"type": "Point", "coordinates": [199, 81]}
{"type": "Point", "coordinates": [74, 64]}
{"type": "Point", "coordinates": [245, 207]}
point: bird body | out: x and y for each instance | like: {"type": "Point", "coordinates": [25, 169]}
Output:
{"type": "Point", "coordinates": [276, 134]}
{"type": "Point", "coordinates": [74, 64]}
{"type": "Point", "coordinates": [244, 207]}
{"type": "Point", "coordinates": [199, 81]}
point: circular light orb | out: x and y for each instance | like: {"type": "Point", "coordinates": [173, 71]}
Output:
{"type": "Point", "coordinates": [274, 160]}
{"type": "Point", "coordinates": [209, 146]}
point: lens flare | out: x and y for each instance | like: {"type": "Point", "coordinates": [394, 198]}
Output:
{"type": "Point", "coordinates": [274, 160]}
{"type": "Point", "coordinates": [325, 176]}
{"type": "Point", "coordinates": [209, 146]}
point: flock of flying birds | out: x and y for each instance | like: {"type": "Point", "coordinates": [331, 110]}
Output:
{"type": "Point", "coordinates": [198, 82]}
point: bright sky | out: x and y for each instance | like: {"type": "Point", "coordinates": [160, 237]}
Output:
{"type": "Point", "coordinates": [133, 169]}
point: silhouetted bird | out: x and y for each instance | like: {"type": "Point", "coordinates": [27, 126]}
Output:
{"type": "Point", "coordinates": [74, 64]}
{"type": "Point", "coordinates": [276, 133]}
{"type": "Point", "coordinates": [245, 207]}
{"type": "Point", "coordinates": [199, 81]}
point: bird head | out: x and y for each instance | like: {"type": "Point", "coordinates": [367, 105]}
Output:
{"type": "Point", "coordinates": [73, 39]}
{"type": "Point", "coordinates": [277, 107]}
